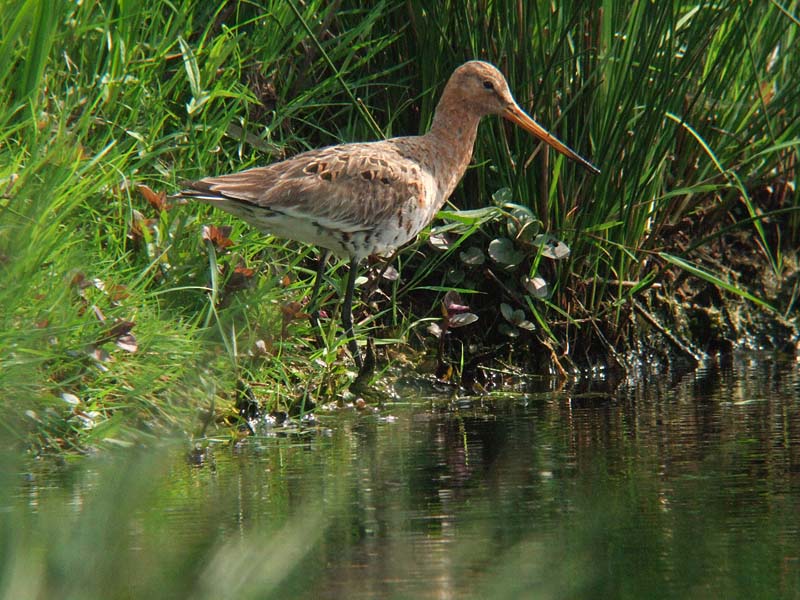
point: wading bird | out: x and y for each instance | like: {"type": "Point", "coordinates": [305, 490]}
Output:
{"type": "Point", "coordinates": [370, 198]}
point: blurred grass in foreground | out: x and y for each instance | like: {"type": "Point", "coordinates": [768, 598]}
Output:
{"type": "Point", "coordinates": [117, 318]}
{"type": "Point", "coordinates": [635, 494]}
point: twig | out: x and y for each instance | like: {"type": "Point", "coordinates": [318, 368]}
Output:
{"type": "Point", "coordinates": [670, 337]}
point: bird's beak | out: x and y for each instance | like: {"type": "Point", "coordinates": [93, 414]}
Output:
{"type": "Point", "coordinates": [516, 115]}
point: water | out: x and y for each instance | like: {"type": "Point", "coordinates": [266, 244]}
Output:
{"type": "Point", "coordinates": [678, 487]}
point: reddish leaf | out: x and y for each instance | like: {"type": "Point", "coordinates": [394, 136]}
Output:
{"type": "Point", "coordinates": [135, 232]}
{"type": "Point", "coordinates": [117, 292]}
{"type": "Point", "coordinates": [121, 328]}
{"type": "Point", "coordinates": [244, 271]}
{"type": "Point", "coordinates": [239, 279]}
{"type": "Point", "coordinates": [218, 236]}
{"type": "Point", "coordinates": [99, 354]}
{"type": "Point", "coordinates": [119, 333]}
{"type": "Point", "coordinates": [138, 225]}
{"type": "Point", "coordinates": [77, 280]}
{"type": "Point", "coordinates": [128, 342]}
{"type": "Point", "coordinates": [293, 310]}
{"type": "Point", "coordinates": [262, 348]}
{"type": "Point", "coordinates": [290, 312]}
{"type": "Point", "coordinates": [453, 303]}
{"type": "Point", "coordinates": [12, 179]}
{"type": "Point", "coordinates": [157, 200]}
{"type": "Point", "coordinates": [98, 313]}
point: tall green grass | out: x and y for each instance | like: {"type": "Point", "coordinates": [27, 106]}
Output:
{"type": "Point", "coordinates": [684, 107]}
{"type": "Point", "coordinates": [679, 104]}
{"type": "Point", "coordinates": [141, 93]}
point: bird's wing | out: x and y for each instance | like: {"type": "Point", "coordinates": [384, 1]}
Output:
{"type": "Point", "coordinates": [352, 187]}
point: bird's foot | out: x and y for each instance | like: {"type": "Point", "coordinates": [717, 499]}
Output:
{"type": "Point", "coordinates": [247, 405]}
{"type": "Point", "coordinates": [366, 368]}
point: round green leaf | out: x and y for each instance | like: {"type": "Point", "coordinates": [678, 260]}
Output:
{"type": "Point", "coordinates": [552, 247]}
{"type": "Point", "coordinates": [536, 286]}
{"type": "Point", "coordinates": [473, 256]}
{"type": "Point", "coordinates": [502, 251]}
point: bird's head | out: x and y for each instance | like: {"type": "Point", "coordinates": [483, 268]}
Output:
{"type": "Point", "coordinates": [483, 90]}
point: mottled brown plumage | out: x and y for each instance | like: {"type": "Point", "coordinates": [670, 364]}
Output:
{"type": "Point", "coordinates": [371, 198]}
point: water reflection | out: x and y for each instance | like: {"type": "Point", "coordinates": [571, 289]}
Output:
{"type": "Point", "coordinates": [678, 486]}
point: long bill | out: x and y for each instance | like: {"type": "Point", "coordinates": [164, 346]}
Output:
{"type": "Point", "coordinates": [516, 115]}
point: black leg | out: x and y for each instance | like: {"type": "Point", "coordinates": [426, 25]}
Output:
{"type": "Point", "coordinates": [347, 313]}
{"type": "Point", "coordinates": [312, 303]}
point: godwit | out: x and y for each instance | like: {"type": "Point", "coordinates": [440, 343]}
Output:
{"type": "Point", "coordinates": [371, 198]}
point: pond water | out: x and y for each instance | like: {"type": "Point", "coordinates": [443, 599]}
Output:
{"type": "Point", "coordinates": [677, 486]}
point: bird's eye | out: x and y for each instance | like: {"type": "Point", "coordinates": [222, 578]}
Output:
{"type": "Point", "coordinates": [488, 85]}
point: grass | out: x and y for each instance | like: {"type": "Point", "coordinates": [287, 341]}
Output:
{"type": "Point", "coordinates": [119, 319]}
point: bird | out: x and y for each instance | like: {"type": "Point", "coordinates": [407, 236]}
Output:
{"type": "Point", "coordinates": [370, 198]}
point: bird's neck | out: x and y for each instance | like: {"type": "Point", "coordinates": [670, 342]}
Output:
{"type": "Point", "coordinates": [451, 138]}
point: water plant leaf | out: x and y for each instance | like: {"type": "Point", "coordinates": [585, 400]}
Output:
{"type": "Point", "coordinates": [521, 222]}
{"type": "Point", "coordinates": [535, 286]}
{"type": "Point", "coordinates": [502, 196]}
{"type": "Point", "coordinates": [472, 256]}
{"type": "Point", "coordinates": [389, 273]}
{"type": "Point", "coordinates": [462, 319]}
{"type": "Point", "coordinates": [508, 330]}
{"type": "Point", "coordinates": [454, 276]}
{"type": "Point", "coordinates": [552, 247]}
{"type": "Point", "coordinates": [506, 311]}
{"type": "Point", "coordinates": [515, 317]}
{"type": "Point", "coordinates": [502, 251]}
{"type": "Point", "coordinates": [439, 241]}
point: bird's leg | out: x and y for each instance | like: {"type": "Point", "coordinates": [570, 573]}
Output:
{"type": "Point", "coordinates": [369, 359]}
{"type": "Point", "coordinates": [347, 313]}
{"type": "Point", "coordinates": [312, 303]}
